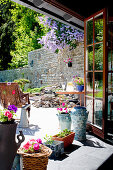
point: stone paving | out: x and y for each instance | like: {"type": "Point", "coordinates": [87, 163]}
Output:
{"type": "Point", "coordinates": [89, 155]}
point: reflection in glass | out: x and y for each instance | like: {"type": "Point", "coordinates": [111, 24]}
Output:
{"type": "Point", "coordinates": [98, 85]}
{"type": "Point", "coordinates": [89, 60]}
{"type": "Point", "coordinates": [90, 32]}
{"type": "Point", "coordinates": [110, 112]}
{"type": "Point", "coordinates": [89, 105]}
{"type": "Point", "coordinates": [110, 46]}
{"type": "Point", "coordinates": [99, 56]}
{"type": "Point", "coordinates": [99, 28]}
{"type": "Point", "coordinates": [109, 59]}
{"type": "Point", "coordinates": [89, 83]}
{"type": "Point", "coordinates": [98, 103]}
{"type": "Point", "coordinates": [110, 82]}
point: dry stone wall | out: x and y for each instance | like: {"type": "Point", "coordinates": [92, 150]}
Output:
{"type": "Point", "coordinates": [47, 68]}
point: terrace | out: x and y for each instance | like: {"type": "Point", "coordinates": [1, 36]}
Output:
{"type": "Point", "coordinates": [97, 25]}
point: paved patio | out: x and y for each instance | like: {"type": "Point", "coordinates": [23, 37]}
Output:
{"type": "Point", "coordinates": [90, 155]}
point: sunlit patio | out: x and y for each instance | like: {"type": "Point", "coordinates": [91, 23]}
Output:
{"type": "Point", "coordinates": [90, 154]}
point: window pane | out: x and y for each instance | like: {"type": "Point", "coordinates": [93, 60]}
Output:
{"type": "Point", "coordinates": [89, 104]}
{"type": "Point", "coordinates": [90, 32]}
{"type": "Point", "coordinates": [89, 84]}
{"type": "Point", "coordinates": [110, 82]}
{"type": "Point", "coordinates": [98, 112]}
{"type": "Point", "coordinates": [99, 57]}
{"type": "Point", "coordinates": [89, 59]}
{"type": "Point", "coordinates": [98, 101]}
{"type": "Point", "coordinates": [99, 28]}
{"type": "Point", "coordinates": [98, 85]}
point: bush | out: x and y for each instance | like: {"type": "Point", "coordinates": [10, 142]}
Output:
{"type": "Point", "coordinates": [22, 82]}
{"type": "Point", "coordinates": [35, 90]}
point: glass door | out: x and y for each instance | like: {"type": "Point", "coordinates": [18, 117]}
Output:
{"type": "Point", "coordinates": [110, 77]}
{"type": "Point", "coordinates": [94, 71]}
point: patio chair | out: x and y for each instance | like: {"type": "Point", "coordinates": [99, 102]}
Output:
{"type": "Point", "coordinates": [11, 94]}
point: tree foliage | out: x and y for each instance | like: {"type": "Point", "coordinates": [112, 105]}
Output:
{"type": "Point", "coordinates": [6, 34]}
{"type": "Point", "coordinates": [19, 31]}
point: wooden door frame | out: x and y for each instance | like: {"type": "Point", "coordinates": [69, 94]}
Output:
{"type": "Point", "coordinates": [92, 127]}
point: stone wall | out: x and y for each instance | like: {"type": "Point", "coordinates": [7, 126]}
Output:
{"type": "Point", "coordinates": [47, 68]}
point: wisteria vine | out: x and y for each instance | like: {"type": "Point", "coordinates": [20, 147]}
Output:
{"type": "Point", "coordinates": [59, 35]}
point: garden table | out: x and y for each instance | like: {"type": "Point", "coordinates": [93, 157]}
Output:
{"type": "Point", "coordinates": [71, 92]}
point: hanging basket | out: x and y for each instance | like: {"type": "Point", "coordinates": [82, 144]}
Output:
{"type": "Point", "coordinates": [69, 64]}
{"type": "Point", "coordinates": [36, 161]}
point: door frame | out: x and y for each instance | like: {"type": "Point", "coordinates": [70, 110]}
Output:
{"type": "Point", "coordinates": [99, 132]}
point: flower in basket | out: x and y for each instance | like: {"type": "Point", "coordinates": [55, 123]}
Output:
{"type": "Point", "coordinates": [63, 109]}
{"type": "Point", "coordinates": [34, 154]}
{"type": "Point", "coordinates": [78, 80]}
{"type": "Point", "coordinates": [32, 146]}
{"type": "Point", "coordinates": [7, 115]}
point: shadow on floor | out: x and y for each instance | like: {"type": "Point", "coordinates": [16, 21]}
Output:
{"type": "Point", "coordinates": [30, 130]}
{"type": "Point", "coordinates": [92, 143]}
{"type": "Point", "coordinates": [68, 150]}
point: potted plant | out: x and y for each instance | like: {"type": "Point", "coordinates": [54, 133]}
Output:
{"type": "Point", "coordinates": [57, 147]}
{"type": "Point", "coordinates": [64, 117]}
{"type": "Point", "coordinates": [79, 83]}
{"type": "Point", "coordinates": [34, 154]}
{"type": "Point", "coordinates": [69, 61]}
{"type": "Point", "coordinates": [66, 136]}
{"type": "Point", "coordinates": [8, 146]}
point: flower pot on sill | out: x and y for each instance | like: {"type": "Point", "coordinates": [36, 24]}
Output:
{"type": "Point", "coordinates": [69, 64]}
{"type": "Point", "coordinates": [80, 88]}
{"type": "Point", "coordinates": [68, 140]}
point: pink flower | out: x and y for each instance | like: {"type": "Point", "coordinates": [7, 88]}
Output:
{"type": "Point", "coordinates": [61, 109]}
{"type": "Point", "coordinates": [64, 61]}
{"type": "Point", "coordinates": [13, 92]}
{"type": "Point", "coordinates": [63, 104]}
{"type": "Point", "coordinates": [8, 114]}
{"type": "Point", "coordinates": [31, 141]}
{"type": "Point", "coordinates": [36, 146]}
{"type": "Point", "coordinates": [27, 145]}
{"type": "Point", "coordinates": [58, 108]}
{"type": "Point", "coordinates": [39, 141]}
{"type": "Point", "coordinates": [65, 108]}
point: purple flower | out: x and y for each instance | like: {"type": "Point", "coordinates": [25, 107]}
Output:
{"type": "Point", "coordinates": [12, 108]}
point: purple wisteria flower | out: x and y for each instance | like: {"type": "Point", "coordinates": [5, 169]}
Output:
{"type": "Point", "coordinates": [59, 35]}
{"type": "Point", "coordinates": [12, 108]}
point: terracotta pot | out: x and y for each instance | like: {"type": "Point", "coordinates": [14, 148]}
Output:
{"type": "Point", "coordinates": [68, 140]}
{"type": "Point", "coordinates": [8, 146]}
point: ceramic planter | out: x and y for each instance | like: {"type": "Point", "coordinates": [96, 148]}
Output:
{"type": "Point", "coordinates": [80, 88]}
{"type": "Point", "coordinates": [8, 146]}
{"type": "Point", "coordinates": [68, 140]}
{"type": "Point", "coordinates": [79, 117]}
{"type": "Point", "coordinates": [64, 121]}
{"type": "Point", "coordinates": [57, 148]}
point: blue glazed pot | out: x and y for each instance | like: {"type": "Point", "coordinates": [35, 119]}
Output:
{"type": "Point", "coordinates": [80, 88]}
{"type": "Point", "coordinates": [79, 117]}
{"type": "Point", "coordinates": [64, 121]}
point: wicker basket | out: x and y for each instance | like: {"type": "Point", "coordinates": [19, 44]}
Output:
{"type": "Point", "coordinates": [35, 161]}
